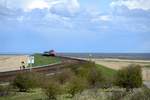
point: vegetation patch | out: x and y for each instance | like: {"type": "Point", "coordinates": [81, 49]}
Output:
{"type": "Point", "coordinates": [45, 60]}
{"type": "Point", "coordinates": [129, 77]}
{"type": "Point", "coordinates": [147, 66]}
{"type": "Point", "coordinates": [107, 72]}
{"type": "Point", "coordinates": [84, 81]}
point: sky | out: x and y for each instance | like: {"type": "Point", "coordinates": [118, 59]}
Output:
{"type": "Point", "coordinates": [75, 26]}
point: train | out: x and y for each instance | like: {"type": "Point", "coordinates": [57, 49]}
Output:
{"type": "Point", "coordinates": [50, 53]}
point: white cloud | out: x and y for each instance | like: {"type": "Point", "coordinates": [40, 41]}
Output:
{"type": "Point", "coordinates": [102, 18]}
{"type": "Point", "coordinates": [105, 18]}
{"type": "Point", "coordinates": [29, 5]}
{"type": "Point", "coordinates": [36, 4]}
{"type": "Point", "coordinates": [133, 4]}
{"type": "Point", "coordinates": [65, 7]}
{"type": "Point", "coordinates": [73, 5]}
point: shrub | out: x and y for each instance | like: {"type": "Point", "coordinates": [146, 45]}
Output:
{"type": "Point", "coordinates": [142, 95]}
{"type": "Point", "coordinates": [92, 74]}
{"type": "Point", "coordinates": [76, 85]}
{"type": "Point", "coordinates": [117, 95]}
{"type": "Point", "coordinates": [52, 90]}
{"type": "Point", "coordinates": [130, 77]}
{"type": "Point", "coordinates": [64, 76]}
{"type": "Point", "coordinates": [25, 81]}
{"type": "Point", "coordinates": [4, 90]}
{"type": "Point", "coordinates": [95, 78]}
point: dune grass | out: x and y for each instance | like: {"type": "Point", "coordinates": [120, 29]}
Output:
{"type": "Point", "coordinates": [147, 66]}
{"type": "Point", "coordinates": [107, 72]}
{"type": "Point", "coordinates": [36, 94]}
{"type": "Point", "coordinates": [45, 60]}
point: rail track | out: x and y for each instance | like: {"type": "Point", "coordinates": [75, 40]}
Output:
{"type": "Point", "coordinates": [47, 69]}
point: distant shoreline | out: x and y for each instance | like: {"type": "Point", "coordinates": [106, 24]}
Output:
{"type": "Point", "coordinates": [123, 56]}
{"type": "Point", "coordinates": [128, 56]}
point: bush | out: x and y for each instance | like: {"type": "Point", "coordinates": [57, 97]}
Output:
{"type": "Point", "coordinates": [4, 90]}
{"type": "Point", "coordinates": [92, 74]}
{"type": "Point", "coordinates": [117, 95]}
{"type": "Point", "coordinates": [130, 77]}
{"type": "Point", "coordinates": [25, 81]}
{"type": "Point", "coordinates": [52, 90]}
{"type": "Point", "coordinates": [142, 95]}
{"type": "Point", "coordinates": [95, 78]}
{"type": "Point", "coordinates": [64, 76]}
{"type": "Point", "coordinates": [76, 85]}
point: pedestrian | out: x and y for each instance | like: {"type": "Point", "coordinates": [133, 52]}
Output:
{"type": "Point", "coordinates": [23, 64]}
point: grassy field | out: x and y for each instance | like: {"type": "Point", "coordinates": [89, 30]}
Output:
{"type": "Point", "coordinates": [45, 60]}
{"type": "Point", "coordinates": [107, 72]}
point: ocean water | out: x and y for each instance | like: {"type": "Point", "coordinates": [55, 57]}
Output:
{"type": "Point", "coordinates": [136, 56]}
{"type": "Point", "coordinates": [140, 56]}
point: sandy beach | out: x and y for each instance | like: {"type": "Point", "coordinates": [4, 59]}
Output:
{"type": "Point", "coordinates": [12, 62]}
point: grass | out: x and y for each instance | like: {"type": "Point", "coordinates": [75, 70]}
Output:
{"type": "Point", "coordinates": [107, 72]}
{"type": "Point", "coordinates": [147, 66]}
{"type": "Point", "coordinates": [36, 94]}
{"type": "Point", "coordinates": [44, 60]}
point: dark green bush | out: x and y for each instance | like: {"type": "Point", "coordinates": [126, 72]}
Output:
{"type": "Point", "coordinates": [92, 74]}
{"type": "Point", "coordinates": [4, 90]}
{"type": "Point", "coordinates": [95, 78]}
{"type": "Point", "coordinates": [25, 81]}
{"type": "Point", "coordinates": [76, 85]}
{"type": "Point", "coordinates": [129, 77]}
{"type": "Point", "coordinates": [65, 76]}
{"type": "Point", "coordinates": [52, 90]}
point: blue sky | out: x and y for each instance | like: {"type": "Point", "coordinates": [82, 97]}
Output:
{"type": "Point", "coordinates": [74, 25]}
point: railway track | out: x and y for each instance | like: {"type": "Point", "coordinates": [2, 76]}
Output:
{"type": "Point", "coordinates": [47, 69]}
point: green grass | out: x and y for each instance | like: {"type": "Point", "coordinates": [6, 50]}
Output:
{"type": "Point", "coordinates": [107, 72]}
{"type": "Point", "coordinates": [37, 94]}
{"type": "Point", "coordinates": [147, 66]}
{"type": "Point", "coordinates": [45, 60]}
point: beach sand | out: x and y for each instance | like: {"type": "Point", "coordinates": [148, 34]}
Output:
{"type": "Point", "coordinates": [12, 62]}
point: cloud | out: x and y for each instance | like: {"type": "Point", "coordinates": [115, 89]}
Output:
{"type": "Point", "coordinates": [71, 6]}
{"type": "Point", "coordinates": [133, 4]}
{"type": "Point", "coordinates": [66, 7]}
{"type": "Point", "coordinates": [102, 18]}
{"type": "Point", "coordinates": [39, 12]}
{"type": "Point", "coordinates": [36, 5]}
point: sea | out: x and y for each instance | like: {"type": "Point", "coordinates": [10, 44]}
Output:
{"type": "Point", "coordinates": [132, 56]}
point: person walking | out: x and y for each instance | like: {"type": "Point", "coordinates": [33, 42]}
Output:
{"type": "Point", "coordinates": [23, 65]}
